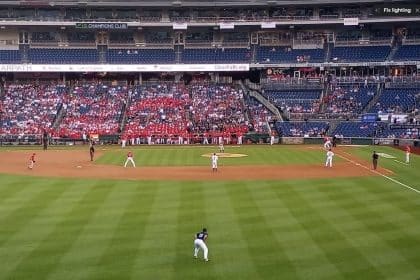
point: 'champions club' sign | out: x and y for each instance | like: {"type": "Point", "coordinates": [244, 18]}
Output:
{"type": "Point", "coordinates": [101, 25]}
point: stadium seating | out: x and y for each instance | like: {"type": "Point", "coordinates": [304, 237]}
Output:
{"type": "Point", "coordinates": [302, 129]}
{"type": "Point", "coordinates": [133, 56]}
{"type": "Point", "coordinates": [364, 53]}
{"type": "Point", "coordinates": [295, 101]}
{"type": "Point", "coordinates": [259, 115]}
{"type": "Point", "coordinates": [30, 108]}
{"type": "Point", "coordinates": [88, 109]}
{"type": "Point", "coordinates": [406, 133]}
{"type": "Point", "coordinates": [57, 56]}
{"type": "Point", "coordinates": [158, 110]}
{"type": "Point", "coordinates": [358, 129]}
{"type": "Point", "coordinates": [217, 108]}
{"type": "Point", "coordinates": [407, 52]}
{"type": "Point", "coordinates": [228, 55]}
{"type": "Point", "coordinates": [10, 56]}
{"type": "Point", "coordinates": [289, 55]}
{"type": "Point", "coordinates": [396, 101]}
{"type": "Point", "coordinates": [348, 99]}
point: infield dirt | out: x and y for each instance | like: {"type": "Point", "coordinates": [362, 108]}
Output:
{"type": "Point", "coordinates": [76, 164]}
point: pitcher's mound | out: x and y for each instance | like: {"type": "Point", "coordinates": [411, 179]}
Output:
{"type": "Point", "coordinates": [225, 155]}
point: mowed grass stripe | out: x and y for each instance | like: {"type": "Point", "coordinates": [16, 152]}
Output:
{"type": "Point", "coordinates": [14, 185]}
{"type": "Point", "coordinates": [368, 227]}
{"type": "Point", "coordinates": [396, 222]}
{"type": "Point", "coordinates": [45, 255]}
{"type": "Point", "coordinates": [92, 241]}
{"type": "Point", "coordinates": [156, 252]}
{"type": "Point", "coordinates": [118, 259]}
{"type": "Point", "coordinates": [269, 257]}
{"type": "Point", "coordinates": [77, 247]}
{"type": "Point", "coordinates": [16, 198]}
{"type": "Point", "coordinates": [24, 206]}
{"type": "Point", "coordinates": [338, 246]}
{"type": "Point", "coordinates": [308, 257]}
{"type": "Point", "coordinates": [30, 227]}
{"type": "Point", "coordinates": [229, 252]}
{"type": "Point", "coordinates": [191, 219]}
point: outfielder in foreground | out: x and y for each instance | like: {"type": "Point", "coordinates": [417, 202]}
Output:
{"type": "Point", "coordinates": [129, 159]}
{"type": "Point", "coordinates": [200, 243]}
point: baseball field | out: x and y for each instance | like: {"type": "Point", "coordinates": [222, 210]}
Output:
{"type": "Point", "coordinates": [272, 212]}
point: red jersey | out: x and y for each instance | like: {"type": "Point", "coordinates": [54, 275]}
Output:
{"type": "Point", "coordinates": [130, 154]}
{"type": "Point", "coordinates": [32, 158]}
{"type": "Point", "coordinates": [408, 149]}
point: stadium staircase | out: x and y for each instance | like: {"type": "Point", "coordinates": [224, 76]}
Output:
{"type": "Point", "coordinates": [59, 117]}
{"type": "Point", "coordinates": [375, 99]}
{"type": "Point", "coordinates": [327, 48]}
{"type": "Point", "coordinates": [123, 116]}
{"type": "Point", "coordinates": [251, 90]}
{"type": "Point", "coordinates": [24, 51]}
{"type": "Point", "coordinates": [391, 54]}
{"type": "Point", "coordinates": [102, 50]}
{"type": "Point", "coordinates": [178, 53]}
{"type": "Point", "coordinates": [333, 123]}
{"type": "Point", "coordinates": [61, 112]}
{"type": "Point", "coordinates": [325, 92]}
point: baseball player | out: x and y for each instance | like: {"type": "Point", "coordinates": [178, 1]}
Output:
{"type": "Point", "coordinates": [240, 137]}
{"type": "Point", "coordinates": [200, 243]}
{"type": "Point", "coordinates": [214, 159]}
{"type": "Point", "coordinates": [31, 161]}
{"type": "Point", "coordinates": [272, 139]}
{"type": "Point", "coordinates": [375, 157]}
{"type": "Point", "coordinates": [123, 142]}
{"type": "Point", "coordinates": [221, 147]}
{"type": "Point", "coordinates": [327, 144]}
{"type": "Point", "coordinates": [407, 154]}
{"type": "Point", "coordinates": [91, 150]}
{"type": "Point", "coordinates": [130, 159]}
{"type": "Point", "coordinates": [205, 139]}
{"type": "Point", "coordinates": [330, 155]}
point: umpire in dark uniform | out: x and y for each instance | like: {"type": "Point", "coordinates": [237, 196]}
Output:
{"type": "Point", "coordinates": [375, 157]}
{"type": "Point", "coordinates": [45, 140]}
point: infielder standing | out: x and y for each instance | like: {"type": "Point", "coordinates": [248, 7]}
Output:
{"type": "Point", "coordinates": [407, 154]}
{"type": "Point", "coordinates": [330, 155]}
{"type": "Point", "coordinates": [31, 161]}
{"type": "Point", "coordinates": [214, 159]}
{"type": "Point", "coordinates": [200, 243]}
{"type": "Point", "coordinates": [130, 159]}
{"type": "Point", "coordinates": [327, 144]}
{"type": "Point", "coordinates": [221, 147]}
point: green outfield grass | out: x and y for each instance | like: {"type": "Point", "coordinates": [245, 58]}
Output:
{"type": "Point", "coordinates": [192, 156]}
{"type": "Point", "coordinates": [354, 228]}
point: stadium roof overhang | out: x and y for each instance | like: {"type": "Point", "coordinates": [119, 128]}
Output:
{"type": "Point", "coordinates": [187, 3]}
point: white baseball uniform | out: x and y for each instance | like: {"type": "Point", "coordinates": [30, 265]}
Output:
{"type": "Point", "coordinates": [130, 159]}
{"type": "Point", "coordinates": [330, 155]}
{"type": "Point", "coordinates": [327, 145]}
{"type": "Point", "coordinates": [221, 148]}
{"type": "Point", "coordinates": [214, 159]}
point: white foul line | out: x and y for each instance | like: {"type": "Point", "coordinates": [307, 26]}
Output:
{"type": "Point", "coordinates": [376, 172]}
{"type": "Point", "coordinates": [400, 162]}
